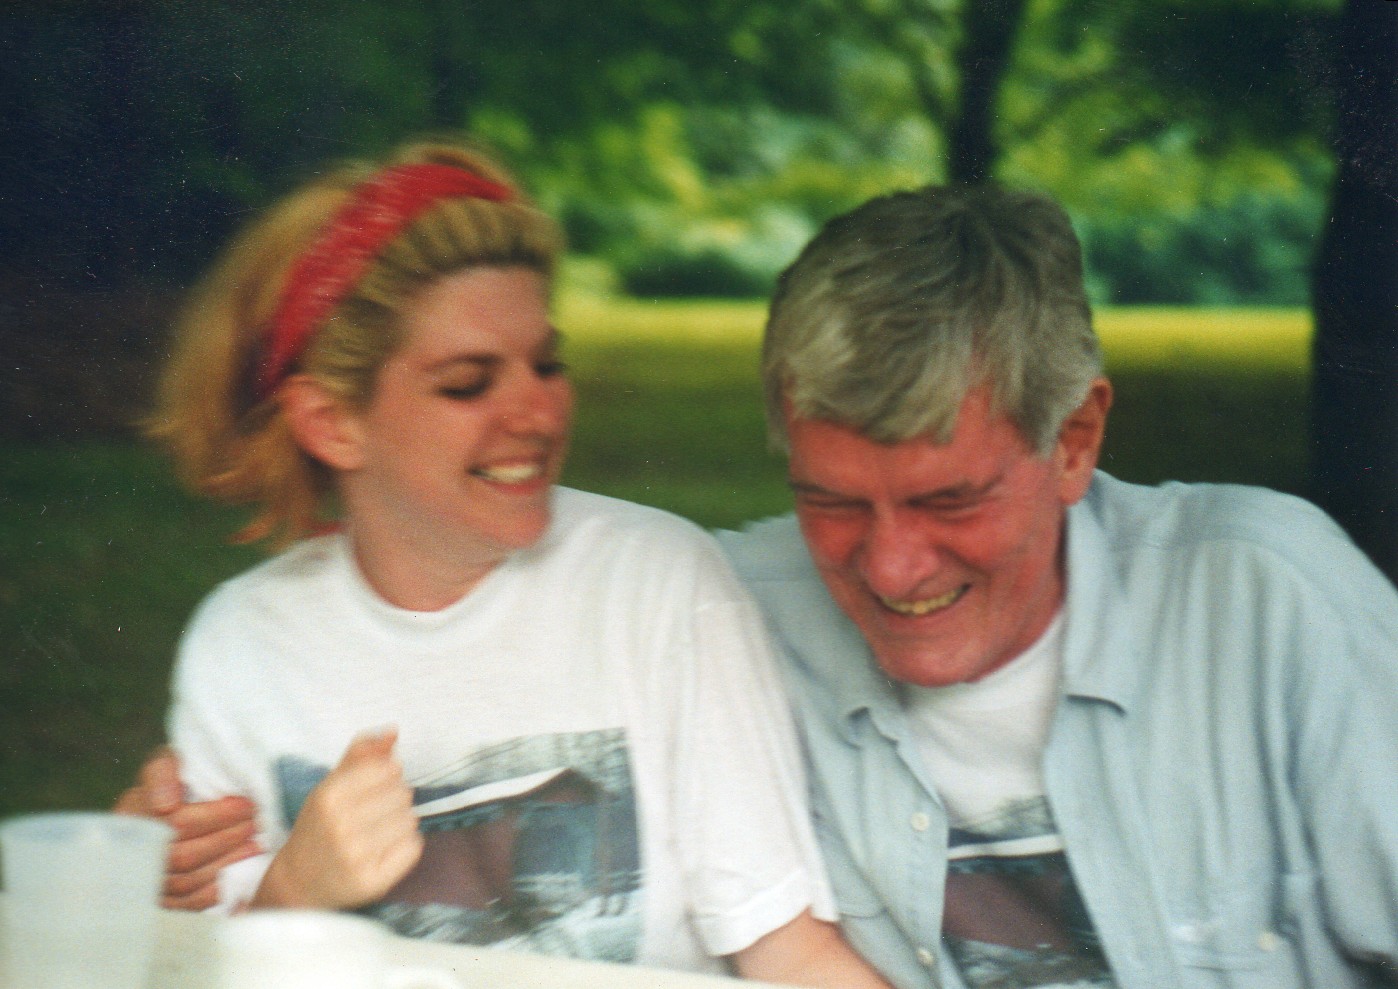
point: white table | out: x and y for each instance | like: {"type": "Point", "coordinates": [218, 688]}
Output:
{"type": "Point", "coordinates": [185, 959]}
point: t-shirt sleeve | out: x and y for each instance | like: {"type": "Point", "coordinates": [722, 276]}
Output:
{"type": "Point", "coordinates": [214, 761]}
{"type": "Point", "coordinates": [747, 848]}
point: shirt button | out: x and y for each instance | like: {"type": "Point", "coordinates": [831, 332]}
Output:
{"type": "Point", "coordinates": [1188, 933]}
{"type": "Point", "coordinates": [925, 958]}
{"type": "Point", "coordinates": [1268, 941]}
{"type": "Point", "coordinates": [920, 821]}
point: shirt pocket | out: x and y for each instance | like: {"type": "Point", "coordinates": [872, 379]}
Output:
{"type": "Point", "coordinates": [870, 928]}
{"type": "Point", "coordinates": [863, 916]}
{"type": "Point", "coordinates": [855, 900]}
{"type": "Point", "coordinates": [1236, 929]}
{"type": "Point", "coordinates": [1300, 902]}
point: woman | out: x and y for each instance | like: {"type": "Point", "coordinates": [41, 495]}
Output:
{"type": "Point", "coordinates": [481, 708]}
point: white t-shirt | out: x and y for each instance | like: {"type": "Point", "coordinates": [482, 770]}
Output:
{"type": "Point", "coordinates": [983, 742]}
{"type": "Point", "coordinates": [595, 736]}
{"type": "Point", "coordinates": [1012, 916]}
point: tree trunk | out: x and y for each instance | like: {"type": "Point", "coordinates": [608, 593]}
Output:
{"type": "Point", "coordinates": [1355, 298]}
{"type": "Point", "coordinates": [990, 30]}
{"type": "Point", "coordinates": [452, 81]}
{"type": "Point", "coordinates": [113, 179]}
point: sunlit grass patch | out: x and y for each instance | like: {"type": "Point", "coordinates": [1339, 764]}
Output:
{"type": "Point", "coordinates": [1273, 339]}
{"type": "Point", "coordinates": [614, 320]}
{"type": "Point", "coordinates": [1131, 337]}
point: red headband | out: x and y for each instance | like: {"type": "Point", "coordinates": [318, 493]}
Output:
{"type": "Point", "coordinates": [378, 210]}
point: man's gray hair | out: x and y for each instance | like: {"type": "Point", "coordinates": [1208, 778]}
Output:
{"type": "Point", "coordinates": [898, 309]}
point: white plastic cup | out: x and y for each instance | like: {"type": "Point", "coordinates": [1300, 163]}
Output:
{"type": "Point", "coordinates": [82, 895]}
{"type": "Point", "coordinates": [314, 949]}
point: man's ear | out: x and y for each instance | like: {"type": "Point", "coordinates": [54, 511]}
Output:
{"type": "Point", "coordinates": [1080, 441]}
{"type": "Point", "coordinates": [321, 423]}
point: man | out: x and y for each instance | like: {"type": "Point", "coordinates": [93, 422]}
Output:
{"type": "Point", "coordinates": [1063, 731]}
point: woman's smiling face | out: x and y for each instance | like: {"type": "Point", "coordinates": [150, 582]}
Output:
{"type": "Point", "coordinates": [468, 426]}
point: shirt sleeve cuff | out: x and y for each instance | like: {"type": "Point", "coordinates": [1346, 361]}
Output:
{"type": "Point", "coordinates": [238, 883]}
{"type": "Point", "coordinates": [774, 907]}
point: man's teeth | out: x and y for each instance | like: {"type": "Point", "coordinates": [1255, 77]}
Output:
{"type": "Point", "coordinates": [510, 474]}
{"type": "Point", "coordinates": [926, 605]}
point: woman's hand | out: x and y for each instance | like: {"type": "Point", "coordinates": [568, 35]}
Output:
{"type": "Point", "coordinates": [355, 838]}
{"type": "Point", "coordinates": [209, 835]}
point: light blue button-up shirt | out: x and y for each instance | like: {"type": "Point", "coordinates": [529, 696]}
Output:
{"type": "Point", "coordinates": [1222, 766]}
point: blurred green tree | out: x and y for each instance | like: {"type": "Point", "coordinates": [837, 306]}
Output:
{"type": "Point", "coordinates": [155, 123]}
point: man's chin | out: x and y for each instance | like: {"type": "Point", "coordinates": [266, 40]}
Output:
{"type": "Point", "coordinates": [921, 667]}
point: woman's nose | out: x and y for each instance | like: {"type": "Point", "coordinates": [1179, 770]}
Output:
{"type": "Point", "coordinates": [542, 405]}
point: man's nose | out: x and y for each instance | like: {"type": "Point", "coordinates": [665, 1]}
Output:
{"type": "Point", "coordinates": [898, 556]}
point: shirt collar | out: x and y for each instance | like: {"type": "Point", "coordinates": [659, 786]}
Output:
{"type": "Point", "coordinates": [830, 663]}
{"type": "Point", "coordinates": [838, 655]}
{"type": "Point", "coordinates": [1099, 640]}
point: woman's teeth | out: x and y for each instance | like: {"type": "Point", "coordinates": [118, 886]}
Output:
{"type": "Point", "coordinates": [926, 605]}
{"type": "Point", "coordinates": [511, 474]}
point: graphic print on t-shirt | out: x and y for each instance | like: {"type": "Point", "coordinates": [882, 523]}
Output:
{"type": "Point", "coordinates": [530, 844]}
{"type": "Point", "coordinates": [1013, 918]}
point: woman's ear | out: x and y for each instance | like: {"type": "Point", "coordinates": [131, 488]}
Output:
{"type": "Point", "coordinates": [321, 423]}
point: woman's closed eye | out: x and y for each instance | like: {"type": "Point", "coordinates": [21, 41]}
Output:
{"type": "Point", "coordinates": [466, 388]}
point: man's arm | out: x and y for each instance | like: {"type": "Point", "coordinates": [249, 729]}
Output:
{"type": "Point", "coordinates": [1344, 781]}
{"type": "Point", "coordinates": [208, 835]}
{"type": "Point", "coordinates": [806, 952]}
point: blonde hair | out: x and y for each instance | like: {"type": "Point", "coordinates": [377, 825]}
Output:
{"type": "Point", "coordinates": [233, 446]}
{"type": "Point", "coordinates": [899, 308]}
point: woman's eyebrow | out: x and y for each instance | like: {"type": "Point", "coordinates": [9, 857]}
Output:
{"type": "Point", "coordinates": [473, 360]}
{"type": "Point", "coordinates": [552, 343]}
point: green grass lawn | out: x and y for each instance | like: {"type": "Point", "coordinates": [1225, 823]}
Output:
{"type": "Point", "coordinates": [102, 557]}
